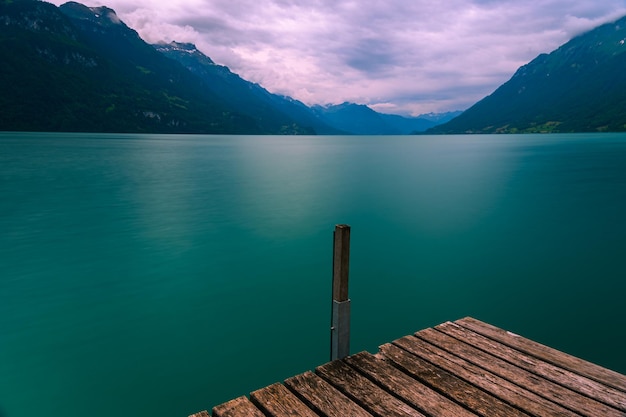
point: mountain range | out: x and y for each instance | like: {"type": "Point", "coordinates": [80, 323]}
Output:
{"type": "Point", "coordinates": [579, 87]}
{"type": "Point", "coordinates": [79, 68]}
{"type": "Point", "coordinates": [362, 120]}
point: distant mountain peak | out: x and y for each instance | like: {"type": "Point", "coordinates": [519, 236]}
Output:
{"type": "Point", "coordinates": [104, 12]}
{"type": "Point", "coordinates": [184, 49]}
{"type": "Point", "coordinates": [346, 105]}
{"type": "Point", "coordinates": [101, 15]}
{"type": "Point", "coordinates": [440, 117]}
{"type": "Point", "coordinates": [184, 46]}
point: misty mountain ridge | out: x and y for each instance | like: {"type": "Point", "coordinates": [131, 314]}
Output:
{"type": "Point", "coordinates": [345, 118]}
{"type": "Point", "coordinates": [362, 120]}
{"type": "Point", "coordinates": [247, 97]}
{"type": "Point", "coordinates": [579, 87]}
{"type": "Point", "coordinates": [74, 68]}
{"type": "Point", "coordinates": [80, 68]}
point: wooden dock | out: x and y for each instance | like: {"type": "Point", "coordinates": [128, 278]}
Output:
{"type": "Point", "coordinates": [461, 368]}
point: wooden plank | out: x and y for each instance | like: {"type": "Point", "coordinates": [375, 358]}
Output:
{"type": "Point", "coordinates": [239, 407]}
{"type": "Point", "coordinates": [408, 389]}
{"type": "Point", "coordinates": [277, 401]}
{"type": "Point", "coordinates": [505, 390]}
{"type": "Point", "coordinates": [364, 392]}
{"type": "Point", "coordinates": [571, 380]}
{"type": "Point", "coordinates": [465, 393]}
{"type": "Point", "coordinates": [322, 397]}
{"type": "Point", "coordinates": [548, 354]}
{"type": "Point", "coordinates": [557, 393]}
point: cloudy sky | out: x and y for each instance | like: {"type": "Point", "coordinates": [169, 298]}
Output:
{"type": "Point", "coordinates": [397, 56]}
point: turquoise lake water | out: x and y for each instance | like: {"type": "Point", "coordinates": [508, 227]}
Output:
{"type": "Point", "coordinates": [161, 275]}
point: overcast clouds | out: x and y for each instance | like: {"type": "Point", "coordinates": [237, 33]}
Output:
{"type": "Point", "coordinates": [397, 56]}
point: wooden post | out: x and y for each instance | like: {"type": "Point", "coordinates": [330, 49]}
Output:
{"type": "Point", "coordinates": [340, 320]}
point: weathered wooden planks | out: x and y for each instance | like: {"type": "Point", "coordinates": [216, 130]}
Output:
{"type": "Point", "coordinates": [465, 368]}
{"type": "Point", "coordinates": [568, 379]}
{"type": "Point", "coordinates": [449, 385]}
{"type": "Point", "coordinates": [322, 397]}
{"type": "Point", "coordinates": [411, 391]}
{"type": "Point", "coordinates": [277, 400]}
{"type": "Point", "coordinates": [561, 359]}
{"type": "Point", "coordinates": [499, 387]}
{"type": "Point", "coordinates": [540, 386]}
{"type": "Point", "coordinates": [365, 392]}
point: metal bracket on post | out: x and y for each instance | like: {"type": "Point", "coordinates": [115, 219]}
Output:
{"type": "Point", "coordinates": [340, 315]}
{"type": "Point", "coordinates": [340, 330]}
